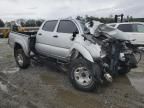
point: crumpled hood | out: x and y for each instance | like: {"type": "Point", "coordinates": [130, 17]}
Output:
{"type": "Point", "coordinates": [113, 32]}
{"type": "Point", "coordinates": [110, 31]}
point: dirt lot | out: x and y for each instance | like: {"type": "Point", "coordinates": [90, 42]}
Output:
{"type": "Point", "coordinates": [43, 86]}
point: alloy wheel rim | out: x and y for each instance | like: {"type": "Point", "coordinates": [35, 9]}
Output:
{"type": "Point", "coordinates": [20, 59]}
{"type": "Point", "coordinates": [82, 76]}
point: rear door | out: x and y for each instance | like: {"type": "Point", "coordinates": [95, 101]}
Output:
{"type": "Point", "coordinates": [45, 39]}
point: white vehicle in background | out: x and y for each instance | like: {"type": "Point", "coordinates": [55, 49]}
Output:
{"type": "Point", "coordinates": [134, 29]}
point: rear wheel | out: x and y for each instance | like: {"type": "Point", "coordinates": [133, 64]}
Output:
{"type": "Point", "coordinates": [81, 75]}
{"type": "Point", "coordinates": [21, 59]}
{"type": "Point", "coordinates": [123, 70]}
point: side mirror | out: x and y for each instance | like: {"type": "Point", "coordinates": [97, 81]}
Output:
{"type": "Point", "coordinates": [74, 35]}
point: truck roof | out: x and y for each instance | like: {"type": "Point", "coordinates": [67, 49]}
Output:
{"type": "Point", "coordinates": [69, 18]}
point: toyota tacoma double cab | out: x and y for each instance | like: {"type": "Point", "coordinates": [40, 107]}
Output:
{"type": "Point", "coordinates": [63, 40]}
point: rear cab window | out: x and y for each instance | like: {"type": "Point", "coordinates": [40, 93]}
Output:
{"type": "Point", "coordinates": [50, 25]}
{"type": "Point", "coordinates": [67, 26]}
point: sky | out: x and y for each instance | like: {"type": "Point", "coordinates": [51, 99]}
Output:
{"type": "Point", "coordinates": [53, 9]}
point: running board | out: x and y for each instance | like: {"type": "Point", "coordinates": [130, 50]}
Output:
{"type": "Point", "coordinates": [61, 62]}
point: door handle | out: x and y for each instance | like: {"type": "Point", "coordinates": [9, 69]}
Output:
{"type": "Point", "coordinates": [55, 36]}
{"type": "Point", "coordinates": [40, 34]}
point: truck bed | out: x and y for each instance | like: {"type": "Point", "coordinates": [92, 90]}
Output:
{"type": "Point", "coordinates": [25, 39]}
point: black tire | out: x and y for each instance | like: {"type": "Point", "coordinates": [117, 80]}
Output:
{"type": "Point", "coordinates": [25, 60]}
{"type": "Point", "coordinates": [81, 62]}
{"type": "Point", "coordinates": [124, 71]}
{"type": "Point", "coordinates": [1, 36]}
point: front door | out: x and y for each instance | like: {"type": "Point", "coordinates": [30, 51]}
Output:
{"type": "Point", "coordinates": [63, 37]}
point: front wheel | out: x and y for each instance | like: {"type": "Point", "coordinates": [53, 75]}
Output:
{"type": "Point", "coordinates": [21, 59]}
{"type": "Point", "coordinates": [81, 75]}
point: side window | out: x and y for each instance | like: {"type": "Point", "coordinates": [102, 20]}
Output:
{"type": "Point", "coordinates": [66, 26]}
{"type": "Point", "coordinates": [49, 26]}
{"type": "Point", "coordinates": [126, 27]}
{"type": "Point", "coordinates": [140, 28]}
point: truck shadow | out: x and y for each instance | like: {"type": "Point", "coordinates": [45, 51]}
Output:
{"type": "Point", "coordinates": [56, 70]}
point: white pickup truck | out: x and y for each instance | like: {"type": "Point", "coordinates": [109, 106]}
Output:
{"type": "Point", "coordinates": [63, 41]}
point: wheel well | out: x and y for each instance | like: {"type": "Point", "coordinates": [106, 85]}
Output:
{"type": "Point", "coordinates": [17, 46]}
{"type": "Point", "coordinates": [75, 54]}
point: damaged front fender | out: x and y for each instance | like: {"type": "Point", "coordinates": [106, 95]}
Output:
{"type": "Point", "coordinates": [83, 51]}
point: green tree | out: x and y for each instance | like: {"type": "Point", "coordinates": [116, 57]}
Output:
{"type": "Point", "coordinates": [1, 23]}
{"type": "Point", "coordinates": [8, 24]}
{"type": "Point", "coordinates": [39, 22]}
{"type": "Point", "coordinates": [30, 23]}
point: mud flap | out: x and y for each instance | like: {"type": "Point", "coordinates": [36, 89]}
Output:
{"type": "Point", "coordinates": [97, 72]}
{"type": "Point", "coordinates": [132, 61]}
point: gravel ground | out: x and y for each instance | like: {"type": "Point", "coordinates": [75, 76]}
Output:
{"type": "Point", "coordinates": [44, 86]}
